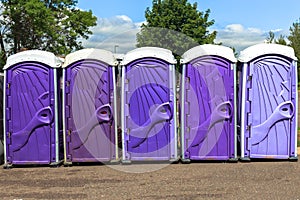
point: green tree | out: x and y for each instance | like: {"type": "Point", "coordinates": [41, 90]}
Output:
{"type": "Point", "coordinates": [234, 52]}
{"type": "Point", "coordinates": [270, 37]}
{"type": "Point", "coordinates": [281, 40]}
{"type": "Point", "coordinates": [294, 38]}
{"type": "Point", "coordinates": [169, 22]}
{"type": "Point", "coordinates": [51, 25]}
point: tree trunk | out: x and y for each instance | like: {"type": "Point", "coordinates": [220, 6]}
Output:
{"type": "Point", "coordinates": [2, 47]}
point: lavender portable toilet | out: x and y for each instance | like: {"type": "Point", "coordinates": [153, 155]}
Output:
{"type": "Point", "coordinates": [268, 102]}
{"type": "Point", "coordinates": [208, 105]}
{"type": "Point", "coordinates": [89, 106]}
{"type": "Point", "coordinates": [31, 102]}
{"type": "Point", "coordinates": [148, 105]}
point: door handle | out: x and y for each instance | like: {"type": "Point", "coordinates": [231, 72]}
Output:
{"type": "Point", "coordinates": [102, 114]}
{"type": "Point", "coordinates": [43, 117]}
{"type": "Point", "coordinates": [222, 112]}
{"type": "Point", "coordinates": [160, 114]}
{"type": "Point", "coordinates": [259, 132]}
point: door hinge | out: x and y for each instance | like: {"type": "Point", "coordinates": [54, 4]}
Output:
{"type": "Point", "coordinates": [248, 127]}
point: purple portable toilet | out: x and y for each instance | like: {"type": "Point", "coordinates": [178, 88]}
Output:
{"type": "Point", "coordinates": [90, 131]}
{"type": "Point", "coordinates": [268, 102]}
{"type": "Point", "coordinates": [1, 118]}
{"type": "Point", "coordinates": [31, 103]}
{"type": "Point", "coordinates": [148, 106]}
{"type": "Point", "coordinates": [208, 105]}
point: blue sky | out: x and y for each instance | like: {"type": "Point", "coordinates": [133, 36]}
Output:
{"type": "Point", "coordinates": [240, 23]}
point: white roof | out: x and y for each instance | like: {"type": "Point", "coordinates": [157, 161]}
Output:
{"type": "Point", "coordinates": [40, 56]}
{"type": "Point", "coordinates": [146, 52]}
{"type": "Point", "coordinates": [208, 50]}
{"type": "Point", "coordinates": [96, 54]}
{"type": "Point", "coordinates": [262, 49]}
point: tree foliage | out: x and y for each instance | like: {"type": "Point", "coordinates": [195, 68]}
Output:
{"type": "Point", "coordinates": [281, 40]}
{"type": "Point", "coordinates": [51, 25]}
{"type": "Point", "coordinates": [294, 38]}
{"type": "Point", "coordinates": [175, 25]}
{"type": "Point", "coordinates": [270, 37]}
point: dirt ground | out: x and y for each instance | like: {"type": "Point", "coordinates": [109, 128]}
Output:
{"type": "Point", "coordinates": [253, 180]}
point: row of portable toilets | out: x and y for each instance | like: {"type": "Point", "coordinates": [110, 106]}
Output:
{"type": "Point", "coordinates": [72, 109]}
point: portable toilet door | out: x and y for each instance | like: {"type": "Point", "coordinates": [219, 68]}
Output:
{"type": "Point", "coordinates": [148, 105]}
{"type": "Point", "coordinates": [268, 102]}
{"type": "Point", "coordinates": [31, 116]}
{"type": "Point", "coordinates": [208, 110]}
{"type": "Point", "coordinates": [89, 106]}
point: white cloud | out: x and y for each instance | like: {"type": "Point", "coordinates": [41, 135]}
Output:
{"type": "Point", "coordinates": [240, 37]}
{"type": "Point", "coordinates": [237, 28]}
{"type": "Point", "coordinates": [109, 32]}
{"type": "Point", "coordinates": [121, 31]}
{"type": "Point", "coordinates": [124, 18]}
{"type": "Point", "coordinates": [278, 30]}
